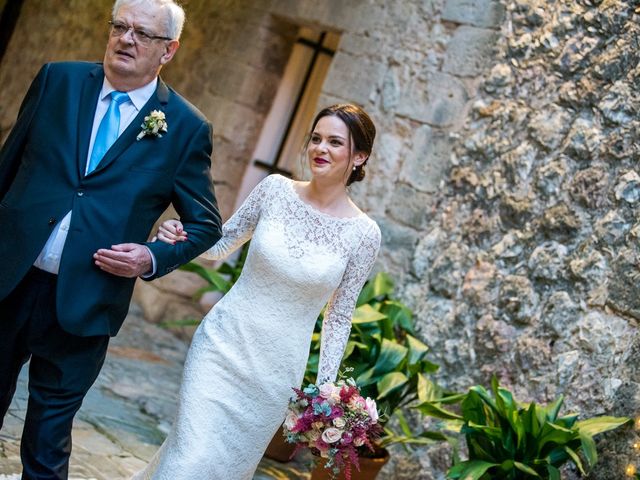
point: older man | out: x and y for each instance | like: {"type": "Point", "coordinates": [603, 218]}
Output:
{"type": "Point", "coordinates": [96, 155]}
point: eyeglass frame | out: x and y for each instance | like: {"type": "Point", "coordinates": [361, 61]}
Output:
{"type": "Point", "coordinates": [137, 34]}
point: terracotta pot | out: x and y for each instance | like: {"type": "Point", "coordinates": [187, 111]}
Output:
{"type": "Point", "coordinates": [279, 449]}
{"type": "Point", "coordinates": [369, 468]}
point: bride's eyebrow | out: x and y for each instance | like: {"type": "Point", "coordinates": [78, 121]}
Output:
{"type": "Point", "coordinates": [339, 137]}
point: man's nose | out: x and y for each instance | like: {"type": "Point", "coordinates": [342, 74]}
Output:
{"type": "Point", "coordinates": [128, 36]}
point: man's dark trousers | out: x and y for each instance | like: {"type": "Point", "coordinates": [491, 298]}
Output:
{"type": "Point", "coordinates": [62, 368]}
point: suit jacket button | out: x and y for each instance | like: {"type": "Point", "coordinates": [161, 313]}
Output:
{"type": "Point", "coordinates": [52, 221]}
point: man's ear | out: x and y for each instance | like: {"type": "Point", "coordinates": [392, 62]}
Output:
{"type": "Point", "coordinates": [172, 48]}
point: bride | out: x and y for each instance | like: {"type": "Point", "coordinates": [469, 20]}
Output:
{"type": "Point", "coordinates": [310, 244]}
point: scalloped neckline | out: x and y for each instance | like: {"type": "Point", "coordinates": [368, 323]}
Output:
{"type": "Point", "coordinates": [315, 209]}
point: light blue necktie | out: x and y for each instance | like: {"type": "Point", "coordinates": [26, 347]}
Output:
{"type": "Point", "coordinates": [107, 130]}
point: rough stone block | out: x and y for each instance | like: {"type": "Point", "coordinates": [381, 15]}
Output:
{"type": "Point", "coordinates": [337, 13]}
{"type": "Point", "coordinates": [409, 206]}
{"type": "Point", "coordinates": [180, 283]}
{"type": "Point", "coordinates": [352, 77]}
{"type": "Point", "coordinates": [429, 159]}
{"type": "Point", "coordinates": [470, 51]}
{"type": "Point", "coordinates": [481, 13]}
{"type": "Point", "coordinates": [398, 243]}
{"type": "Point", "coordinates": [439, 100]}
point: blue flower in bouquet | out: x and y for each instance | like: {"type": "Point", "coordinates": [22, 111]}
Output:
{"type": "Point", "coordinates": [321, 408]}
{"type": "Point", "coordinates": [312, 390]}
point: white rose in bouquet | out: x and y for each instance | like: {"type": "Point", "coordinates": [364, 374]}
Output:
{"type": "Point", "coordinates": [332, 435]}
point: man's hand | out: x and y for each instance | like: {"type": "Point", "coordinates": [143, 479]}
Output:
{"type": "Point", "coordinates": [124, 260]}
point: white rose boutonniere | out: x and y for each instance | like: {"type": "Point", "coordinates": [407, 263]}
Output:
{"type": "Point", "coordinates": [154, 125]}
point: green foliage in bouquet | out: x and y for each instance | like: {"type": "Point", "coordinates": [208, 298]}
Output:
{"type": "Point", "coordinates": [385, 358]}
{"type": "Point", "coordinates": [510, 440]}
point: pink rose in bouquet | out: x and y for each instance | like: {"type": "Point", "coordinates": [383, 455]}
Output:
{"type": "Point", "coordinates": [334, 421]}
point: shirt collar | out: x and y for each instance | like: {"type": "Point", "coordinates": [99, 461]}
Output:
{"type": "Point", "coordinates": [138, 97]}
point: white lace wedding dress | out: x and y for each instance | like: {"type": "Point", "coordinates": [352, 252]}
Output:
{"type": "Point", "coordinates": [252, 347]}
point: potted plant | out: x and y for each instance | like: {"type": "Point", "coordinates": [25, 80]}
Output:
{"type": "Point", "coordinates": [511, 440]}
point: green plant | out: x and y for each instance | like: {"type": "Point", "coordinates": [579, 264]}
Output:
{"type": "Point", "coordinates": [386, 359]}
{"type": "Point", "coordinates": [509, 440]}
{"type": "Point", "coordinates": [219, 279]}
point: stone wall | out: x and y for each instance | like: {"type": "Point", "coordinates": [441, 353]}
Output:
{"type": "Point", "coordinates": [528, 269]}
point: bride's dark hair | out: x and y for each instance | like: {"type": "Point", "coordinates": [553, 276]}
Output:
{"type": "Point", "coordinates": [361, 128]}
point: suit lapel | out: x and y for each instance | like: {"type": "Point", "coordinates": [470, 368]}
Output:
{"type": "Point", "coordinates": [86, 111]}
{"type": "Point", "coordinates": [128, 137]}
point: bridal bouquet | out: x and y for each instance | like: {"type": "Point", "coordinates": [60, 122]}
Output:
{"type": "Point", "coordinates": [334, 421]}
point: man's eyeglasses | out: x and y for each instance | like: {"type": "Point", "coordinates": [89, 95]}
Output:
{"type": "Point", "coordinates": [118, 29]}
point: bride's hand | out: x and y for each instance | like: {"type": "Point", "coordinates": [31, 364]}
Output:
{"type": "Point", "coordinates": [171, 231]}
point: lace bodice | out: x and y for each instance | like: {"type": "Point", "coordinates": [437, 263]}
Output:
{"type": "Point", "coordinates": [348, 247]}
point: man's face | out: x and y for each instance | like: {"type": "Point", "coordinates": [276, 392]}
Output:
{"type": "Point", "coordinates": [130, 62]}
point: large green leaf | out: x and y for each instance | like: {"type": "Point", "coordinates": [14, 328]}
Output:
{"type": "Point", "coordinates": [558, 456]}
{"type": "Point", "coordinates": [428, 367]}
{"type": "Point", "coordinates": [554, 434]}
{"type": "Point", "coordinates": [473, 408]}
{"type": "Point", "coordinates": [526, 469]}
{"type": "Point", "coordinates": [567, 421]}
{"type": "Point", "coordinates": [379, 286]}
{"type": "Point", "coordinates": [366, 314]}
{"type": "Point", "coordinates": [417, 349]}
{"type": "Point", "coordinates": [470, 470]}
{"type": "Point", "coordinates": [399, 314]}
{"type": "Point", "coordinates": [391, 356]}
{"type": "Point", "coordinates": [596, 425]}
{"type": "Point", "coordinates": [367, 377]}
{"type": "Point", "coordinates": [391, 382]}
{"type": "Point", "coordinates": [427, 390]}
{"type": "Point", "coordinates": [486, 398]}
{"type": "Point", "coordinates": [576, 459]}
{"type": "Point", "coordinates": [402, 421]}
{"type": "Point", "coordinates": [530, 420]}
{"type": "Point", "coordinates": [511, 413]}
{"type": "Point", "coordinates": [554, 473]}
{"type": "Point", "coordinates": [211, 276]}
{"type": "Point", "coordinates": [493, 433]}
{"type": "Point", "coordinates": [434, 410]}
{"type": "Point", "coordinates": [554, 408]}
{"type": "Point", "coordinates": [480, 447]}
{"type": "Point", "coordinates": [589, 449]}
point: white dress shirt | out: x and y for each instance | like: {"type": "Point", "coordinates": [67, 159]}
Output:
{"type": "Point", "coordinates": [49, 258]}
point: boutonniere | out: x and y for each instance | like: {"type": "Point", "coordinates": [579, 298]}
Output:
{"type": "Point", "coordinates": [154, 125]}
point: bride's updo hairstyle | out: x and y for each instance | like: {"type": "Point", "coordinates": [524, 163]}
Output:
{"type": "Point", "coordinates": [361, 128]}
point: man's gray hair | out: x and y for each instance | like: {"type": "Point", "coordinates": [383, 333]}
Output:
{"type": "Point", "coordinates": [175, 14]}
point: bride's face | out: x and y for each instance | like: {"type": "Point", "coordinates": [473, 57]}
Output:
{"type": "Point", "coordinates": [329, 151]}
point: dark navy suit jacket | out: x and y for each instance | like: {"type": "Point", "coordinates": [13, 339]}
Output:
{"type": "Point", "coordinates": [42, 166]}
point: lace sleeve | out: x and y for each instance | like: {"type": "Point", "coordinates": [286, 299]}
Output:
{"type": "Point", "coordinates": [337, 318]}
{"type": "Point", "coordinates": [239, 228]}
